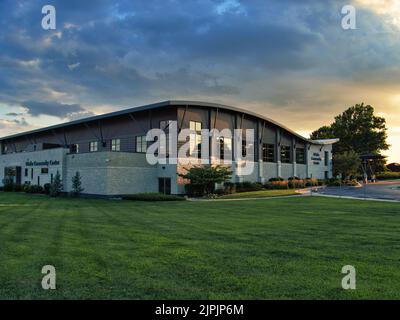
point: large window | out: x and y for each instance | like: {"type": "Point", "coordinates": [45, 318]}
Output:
{"type": "Point", "coordinates": [141, 144]}
{"type": "Point", "coordinates": [301, 155]}
{"type": "Point", "coordinates": [268, 152]}
{"type": "Point", "coordinates": [115, 145]}
{"type": "Point", "coordinates": [45, 170]}
{"type": "Point", "coordinates": [327, 158]}
{"type": "Point", "coordinates": [285, 154]}
{"type": "Point", "coordinates": [164, 125]}
{"type": "Point", "coordinates": [244, 149]}
{"type": "Point", "coordinates": [93, 146]}
{"type": "Point", "coordinates": [195, 139]}
{"type": "Point", "coordinates": [74, 148]}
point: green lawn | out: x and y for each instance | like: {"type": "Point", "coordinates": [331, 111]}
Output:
{"type": "Point", "coordinates": [261, 194]}
{"type": "Point", "coordinates": [264, 249]}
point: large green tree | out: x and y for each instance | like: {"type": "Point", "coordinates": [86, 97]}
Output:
{"type": "Point", "coordinates": [358, 129]}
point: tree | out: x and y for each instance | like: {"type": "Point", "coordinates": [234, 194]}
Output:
{"type": "Point", "coordinates": [325, 132]}
{"type": "Point", "coordinates": [346, 164]}
{"type": "Point", "coordinates": [203, 178]}
{"type": "Point", "coordinates": [359, 132]}
{"type": "Point", "coordinates": [77, 184]}
{"type": "Point", "coordinates": [56, 186]}
{"type": "Point", "coordinates": [358, 129]}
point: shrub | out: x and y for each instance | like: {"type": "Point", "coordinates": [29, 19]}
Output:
{"type": "Point", "coordinates": [46, 188]}
{"type": "Point", "coordinates": [310, 182]}
{"type": "Point", "coordinates": [248, 186]}
{"type": "Point", "coordinates": [33, 188]}
{"type": "Point", "coordinates": [351, 183]}
{"type": "Point", "coordinates": [77, 185]}
{"type": "Point", "coordinates": [296, 183]}
{"type": "Point", "coordinates": [220, 192]}
{"type": "Point", "coordinates": [193, 190]}
{"type": "Point", "coordinates": [388, 175]}
{"type": "Point", "coordinates": [152, 197]}
{"type": "Point", "coordinates": [334, 182]}
{"type": "Point", "coordinates": [321, 182]}
{"type": "Point", "coordinates": [17, 188]}
{"type": "Point", "coordinates": [276, 179]}
{"type": "Point", "coordinates": [8, 185]}
{"type": "Point", "coordinates": [277, 185]}
{"type": "Point", "coordinates": [229, 188]}
{"type": "Point", "coordinates": [294, 178]}
{"type": "Point", "coordinates": [56, 186]}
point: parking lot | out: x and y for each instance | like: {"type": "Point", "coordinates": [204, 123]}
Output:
{"type": "Point", "coordinates": [389, 190]}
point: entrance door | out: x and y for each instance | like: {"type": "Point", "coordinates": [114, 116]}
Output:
{"type": "Point", "coordinates": [164, 185]}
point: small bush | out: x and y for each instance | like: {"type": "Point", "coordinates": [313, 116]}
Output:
{"type": "Point", "coordinates": [8, 185]}
{"type": "Point", "coordinates": [277, 185]}
{"type": "Point", "coordinates": [296, 184]}
{"type": "Point", "coordinates": [220, 192]}
{"type": "Point", "coordinates": [46, 188]}
{"type": "Point", "coordinates": [229, 188]}
{"type": "Point", "coordinates": [310, 182]}
{"type": "Point", "coordinates": [351, 183]}
{"type": "Point", "coordinates": [334, 182]}
{"type": "Point", "coordinates": [276, 179]}
{"type": "Point", "coordinates": [193, 190]}
{"type": "Point", "coordinates": [294, 178]}
{"type": "Point", "coordinates": [17, 188]}
{"type": "Point", "coordinates": [33, 189]}
{"type": "Point", "coordinates": [152, 197]}
{"type": "Point", "coordinates": [248, 186]}
{"type": "Point", "coordinates": [388, 175]}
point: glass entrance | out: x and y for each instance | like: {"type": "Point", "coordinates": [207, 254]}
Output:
{"type": "Point", "coordinates": [164, 185]}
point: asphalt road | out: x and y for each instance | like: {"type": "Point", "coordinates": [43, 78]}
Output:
{"type": "Point", "coordinates": [387, 190]}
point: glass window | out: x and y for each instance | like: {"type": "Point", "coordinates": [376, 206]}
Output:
{"type": "Point", "coordinates": [141, 144]}
{"type": "Point", "coordinates": [74, 148]}
{"type": "Point", "coordinates": [45, 170]}
{"type": "Point", "coordinates": [26, 172]}
{"type": "Point", "coordinates": [195, 139]}
{"type": "Point", "coordinates": [164, 125]}
{"type": "Point", "coordinates": [285, 154]}
{"type": "Point", "coordinates": [268, 152]}
{"type": "Point", "coordinates": [326, 158]}
{"type": "Point", "coordinates": [244, 149]}
{"type": "Point", "coordinates": [93, 147]}
{"type": "Point", "coordinates": [115, 145]}
{"type": "Point", "coordinates": [300, 155]}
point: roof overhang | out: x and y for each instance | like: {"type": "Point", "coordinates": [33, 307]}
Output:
{"type": "Point", "coordinates": [167, 104]}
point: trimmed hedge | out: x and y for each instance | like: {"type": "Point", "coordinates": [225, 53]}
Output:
{"type": "Point", "coordinates": [152, 197]}
{"type": "Point", "coordinates": [388, 175]}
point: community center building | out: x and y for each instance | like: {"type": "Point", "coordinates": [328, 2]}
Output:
{"type": "Point", "coordinates": [109, 151]}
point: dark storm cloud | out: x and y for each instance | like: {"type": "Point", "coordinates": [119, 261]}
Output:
{"type": "Point", "coordinates": [128, 52]}
{"type": "Point", "coordinates": [35, 108]}
{"type": "Point", "coordinates": [88, 56]}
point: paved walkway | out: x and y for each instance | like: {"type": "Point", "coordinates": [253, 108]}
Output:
{"type": "Point", "coordinates": [386, 190]}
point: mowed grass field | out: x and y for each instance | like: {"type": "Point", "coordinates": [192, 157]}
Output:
{"type": "Point", "coordinates": [290, 248]}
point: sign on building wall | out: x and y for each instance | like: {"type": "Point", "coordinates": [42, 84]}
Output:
{"type": "Point", "coordinates": [45, 163]}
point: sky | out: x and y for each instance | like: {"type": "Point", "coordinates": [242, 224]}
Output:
{"type": "Point", "coordinates": [288, 60]}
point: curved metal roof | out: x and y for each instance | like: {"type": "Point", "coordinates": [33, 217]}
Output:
{"type": "Point", "coordinates": [166, 104]}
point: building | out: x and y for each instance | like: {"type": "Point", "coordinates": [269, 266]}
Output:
{"type": "Point", "coordinates": [109, 150]}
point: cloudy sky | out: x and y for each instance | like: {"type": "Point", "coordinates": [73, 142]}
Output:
{"type": "Point", "coordinates": [287, 59]}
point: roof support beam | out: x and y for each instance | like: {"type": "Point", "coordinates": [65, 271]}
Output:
{"type": "Point", "coordinates": [136, 121]}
